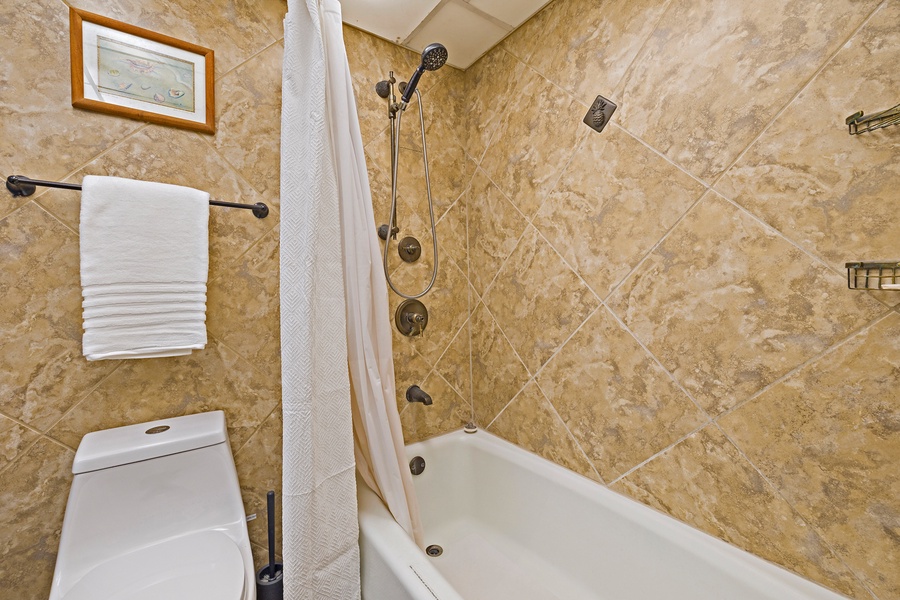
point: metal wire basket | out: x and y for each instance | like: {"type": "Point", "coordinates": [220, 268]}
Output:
{"type": "Point", "coordinates": [873, 275]}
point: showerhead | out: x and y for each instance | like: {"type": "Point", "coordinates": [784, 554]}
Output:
{"type": "Point", "coordinates": [433, 58]}
{"type": "Point", "coordinates": [383, 88]}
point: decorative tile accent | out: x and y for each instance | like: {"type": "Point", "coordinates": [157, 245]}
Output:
{"type": "Point", "coordinates": [448, 412]}
{"type": "Point", "coordinates": [244, 310]}
{"type": "Point", "coordinates": [42, 371]}
{"type": "Point", "coordinates": [729, 306]}
{"type": "Point", "coordinates": [619, 404]}
{"type": "Point", "coordinates": [32, 504]}
{"type": "Point", "coordinates": [497, 373]}
{"type": "Point", "coordinates": [616, 199]}
{"type": "Point", "coordinates": [538, 301]}
{"type": "Point", "coordinates": [705, 482]}
{"type": "Point", "coordinates": [827, 439]}
{"type": "Point", "coordinates": [14, 439]}
{"type": "Point", "coordinates": [530, 422]}
{"type": "Point", "coordinates": [494, 229]}
{"type": "Point", "coordinates": [713, 74]}
{"type": "Point", "coordinates": [808, 178]}
{"type": "Point", "coordinates": [144, 390]}
{"type": "Point", "coordinates": [538, 132]}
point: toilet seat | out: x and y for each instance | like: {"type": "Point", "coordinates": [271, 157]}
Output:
{"type": "Point", "coordinates": [198, 566]}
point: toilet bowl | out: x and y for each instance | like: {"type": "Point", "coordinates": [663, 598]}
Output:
{"type": "Point", "coordinates": [155, 512]}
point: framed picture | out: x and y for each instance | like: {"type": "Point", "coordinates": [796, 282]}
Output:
{"type": "Point", "coordinates": [131, 72]}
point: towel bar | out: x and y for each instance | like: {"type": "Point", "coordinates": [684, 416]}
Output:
{"type": "Point", "coordinates": [24, 186]}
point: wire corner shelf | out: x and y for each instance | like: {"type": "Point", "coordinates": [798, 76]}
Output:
{"type": "Point", "coordinates": [873, 275]}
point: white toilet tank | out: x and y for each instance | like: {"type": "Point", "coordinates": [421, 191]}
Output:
{"type": "Point", "coordinates": [156, 508]}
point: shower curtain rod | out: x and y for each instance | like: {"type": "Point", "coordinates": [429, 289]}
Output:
{"type": "Point", "coordinates": [19, 185]}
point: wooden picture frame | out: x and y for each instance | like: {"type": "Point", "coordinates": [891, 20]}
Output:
{"type": "Point", "coordinates": [124, 70]}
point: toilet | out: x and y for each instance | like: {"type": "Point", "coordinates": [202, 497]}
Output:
{"type": "Point", "coordinates": [155, 512]}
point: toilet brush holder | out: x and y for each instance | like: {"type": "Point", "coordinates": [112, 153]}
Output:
{"type": "Point", "coordinates": [268, 587]}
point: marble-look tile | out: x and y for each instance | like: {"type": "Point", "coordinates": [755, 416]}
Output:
{"type": "Point", "coordinates": [272, 13]}
{"type": "Point", "coordinates": [615, 200]}
{"type": "Point", "coordinates": [497, 372]}
{"type": "Point", "coordinates": [448, 412]}
{"type": "Point", "coordinates": [233, 30]}
{"type": "Point", "coordinates": [714, 73]}
{"type": "Point", "coordinates": [148, 156]}
{"type": "Point", "coordinates": [614, 398]}
{"type": "Point", "coordinates": [454, 365]}
{"type": "Point", "coordinates": [808, 178]}
{"type": "Point", "coordinates": [539, 130]}
{"type": "Point", "coordinates": [14, 439]}
{"type": "Point", "coordinates": [827, 438]}
{"type": "Point", "coordinates": [584, 46]}
{"type": "Point", "coordinates": [258, 465]}
{"type": "Point", "coordinates": [446, 106]}
{"type": "Point", "coordinates": [530, 422]}
{"type": "Point", "coordinates": [495, 226]}
{"type": "Point", "coordinates": [214, 378]}
{"type": "Point", "coordinates": [453, 235]}
{"type": "Point", "coordinates": [728, 306]}
{"type": "Point", "coordinates": [42, 136]}
{"type": "Point", "coordinates": [491, 85]}
{"type": "Point", "coordinates": [244, 309]}
{"type": "Point", "coordinates": [447, 304]}
{"type": "Point", "coordinates": [538, 300]}
{"type": "Point", "coordinates": [705, 482]}
{"type": "Point", "coordinates": [42, 371]}
{"type": "Point", "coordinates": [32, 504]}
{"type": "Point", "coordinates": [248, 121]}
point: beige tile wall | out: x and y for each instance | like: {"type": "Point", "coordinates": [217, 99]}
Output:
{"type": "Point", "coordinates": [49, 395]}
{"type": "Point", "coordinates": [662, 307]}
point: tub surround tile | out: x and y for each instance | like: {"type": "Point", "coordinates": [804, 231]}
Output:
{"type": "Point", "coordinates": [497, 372]}
{"type": "Point", "coordinates": [453, 366]}
{"type": "Point", "coordinates": [44, 137]}
{"type": "Point", "coordinates": [806, 177]}
{"type": "Point", "coordinates": [32, 504]}
{"type": "Point", "coordinates": [14, 440]}
{"type": "Point", "coordinates": [214, 378]}
{"type": "Point", "coordinates": [492, 82]}
{"type": "Point", "coordinates": [448, 412]}
{"type": "Point", "coordinates": [248, 121]}
{"type": "Point", "coordinates": [729, 306]}
{"type": "Point", "coordinates": [619, 404]}
{"type": "Point", "coordinates": [705, 482]}
{"type": "Point", "coordinates": [42, 371]}
{"type": "Point", "coordinates": [258, 465]}
{"type": "Point", "coordinates": [234, 30]}
{"type": "Point", "coordinates": [702, 113]}
{"type": "Point", "coordinates": [538, 300]}
{"type": "Point", "coordinates": [495, 226]}
{"type": "Point", "coordinates": [583, 47]}
{"type": "Point", "coordinates": [272, 13]}
{"type": "Point", "coordinates": [538, 131]}
{"type": "Point", "coordinates": [531, 423]}
{"type": "Point", "coordinates": [244, 310]}
{"type": "Point", "coordinates": [614, 202]}
{"type": "Point", "coordinates": [827, 439]}
{"type": "Point", "coordinates": [452, 234]}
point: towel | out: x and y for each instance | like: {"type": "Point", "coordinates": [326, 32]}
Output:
{"type": "Point", "coordinates": [144, 266]}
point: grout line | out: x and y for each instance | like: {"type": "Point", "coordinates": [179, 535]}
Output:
{"type": "Point", "coordinates": [22, 454]}
{"type": "Point", "coordinates": [83, 398]}
{"type": "Point", "coordinates": [638, 139]}
{"type": "Point", "coordinates": [660, 453]}
{"type": "Point", "coordinates": [20, 422]}
{"type": "Point", "coordinates": [258, 427]}
{"type": "Point", "coordinates": [644, 43]}
{"type": "Point", "coordinates": [249, 58]}
{"type": "Point", "coordinates": [777, 492]}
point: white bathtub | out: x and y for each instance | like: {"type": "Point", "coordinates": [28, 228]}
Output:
{"type": "Point", "coordinates": [515, 526]}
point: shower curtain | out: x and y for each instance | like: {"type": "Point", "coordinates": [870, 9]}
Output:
{"type": "Point", "coordinates": [324, 198]}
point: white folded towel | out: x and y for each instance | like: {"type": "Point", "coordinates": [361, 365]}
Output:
{"type": "Point", "coordinates": [144, 265]}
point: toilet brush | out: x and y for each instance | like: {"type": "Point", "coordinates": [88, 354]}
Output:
{"type": "Point", "coordinates": [270, 578]}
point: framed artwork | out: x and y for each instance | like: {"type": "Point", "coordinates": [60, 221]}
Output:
{"type": "Point", "coordinates": [131, 72]}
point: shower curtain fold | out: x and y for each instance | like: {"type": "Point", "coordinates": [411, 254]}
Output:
{"type": "Point", "coordinates": [338, 393]}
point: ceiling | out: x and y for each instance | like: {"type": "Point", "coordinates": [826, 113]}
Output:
{"type": "Point", "coordinates": [468, 28]}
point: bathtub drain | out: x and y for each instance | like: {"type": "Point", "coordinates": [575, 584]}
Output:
{"type": "Point", "coordinates": [434, 550]}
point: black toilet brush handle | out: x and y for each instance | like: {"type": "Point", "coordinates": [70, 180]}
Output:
{"type": "Point", "coordinates": [270, 510]}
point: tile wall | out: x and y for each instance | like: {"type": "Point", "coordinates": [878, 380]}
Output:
{"type": "Point", "coordinates": [662, 307]}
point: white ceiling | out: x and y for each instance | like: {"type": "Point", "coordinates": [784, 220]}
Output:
{"type": "Point", "coordinates": [468, 28]}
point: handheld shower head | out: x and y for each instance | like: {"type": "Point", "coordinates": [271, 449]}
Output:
{"type": "Point", "coordinates": [433, 58]}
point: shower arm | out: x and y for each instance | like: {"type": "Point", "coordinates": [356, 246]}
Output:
{"type": "Point", "coordinates": [394, 162]}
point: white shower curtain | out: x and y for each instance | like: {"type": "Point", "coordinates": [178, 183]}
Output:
{"type": "Point", "coordinates": [325, 197]}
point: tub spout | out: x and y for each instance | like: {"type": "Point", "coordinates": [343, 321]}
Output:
{"type": "Point", "coordinates": [416, 394]}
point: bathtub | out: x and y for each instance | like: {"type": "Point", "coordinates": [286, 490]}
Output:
{"type": "Point", "coordinates": [515, 526]}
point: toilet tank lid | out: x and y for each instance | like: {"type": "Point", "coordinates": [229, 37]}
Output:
{"type": "Point", "coordinates": [133, 443]}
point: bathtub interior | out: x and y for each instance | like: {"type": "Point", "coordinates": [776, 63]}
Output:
{"type": "Point", "coordinates": [513, 525]}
